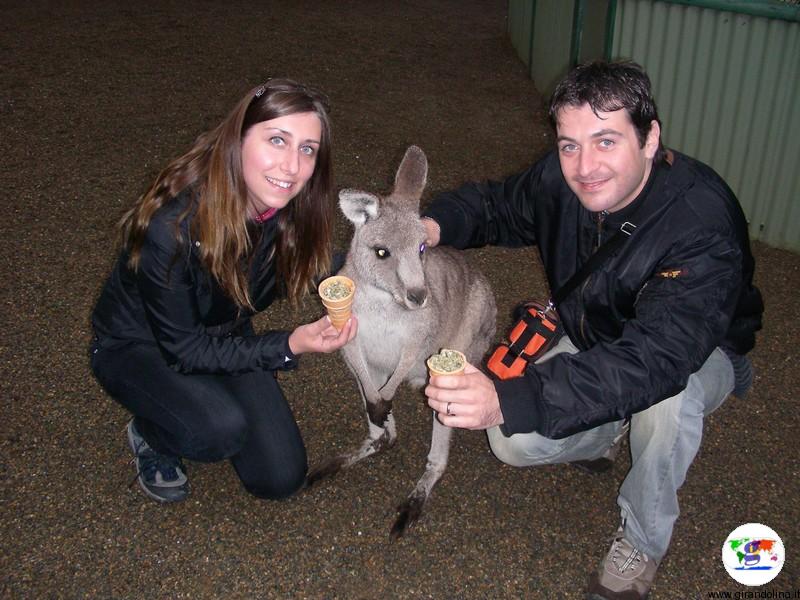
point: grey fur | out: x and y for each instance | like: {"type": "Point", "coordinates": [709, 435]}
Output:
{"type": "Point", "coordinates": [408, 306]}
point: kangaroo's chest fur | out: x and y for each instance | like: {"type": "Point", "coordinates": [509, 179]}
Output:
{"type": "Point", "coordinates": [459, 313]}
{"type": "Point", "coordinates": [386, 330]}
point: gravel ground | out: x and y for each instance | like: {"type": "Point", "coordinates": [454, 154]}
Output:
{"type": "Point", "coordinates": [94, 99]}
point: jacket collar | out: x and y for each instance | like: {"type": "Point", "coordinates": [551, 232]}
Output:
{"type": "Point", "coordinates": [656, 179]}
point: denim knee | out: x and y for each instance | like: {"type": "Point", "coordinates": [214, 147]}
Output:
{"type": "Point", "coordinates": [519, 451]}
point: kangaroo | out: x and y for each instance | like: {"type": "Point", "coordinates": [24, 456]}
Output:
{"type": "Point", "coordinates": [411, 301]}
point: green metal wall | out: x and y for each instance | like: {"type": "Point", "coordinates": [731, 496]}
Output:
{"type": "Point", "coordinates": [540, 30]}
{"type": "Point", "coordinates": [520, 27]}
{"type": "Point", "coordinates": [543, 34]}
{"type": "Point", "coordinates": [728, 92]}
{"type": "Point", "coordinates": [727, 83]}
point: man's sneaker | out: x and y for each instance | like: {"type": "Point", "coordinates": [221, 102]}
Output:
{"type": "Point", "coordinates": [625, 574]}
{"type": "Point", "coordinates": [605, 462]}
{"type": "Point", "coordinates": [162, 477]}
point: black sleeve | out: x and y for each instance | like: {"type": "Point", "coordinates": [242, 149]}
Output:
{"type": "Point", "coordinates": [494, 212]}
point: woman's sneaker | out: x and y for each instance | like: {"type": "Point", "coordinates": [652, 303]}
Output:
{"type": "Point", "coordinates": [162, 477]}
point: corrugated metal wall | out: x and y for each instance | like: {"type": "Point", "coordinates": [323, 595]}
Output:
{"type": "Point", "coordinates": [520, 27]}
{"type": "Point", "coordinates": [727, 87]}
{"type": "Point", "coordinates": [541, 33]}
{"type": "Point", "coordinates": [728, 93]}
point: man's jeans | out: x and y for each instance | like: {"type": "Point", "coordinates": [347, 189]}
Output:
{"type": "Point", "coordinates": [664, 440]}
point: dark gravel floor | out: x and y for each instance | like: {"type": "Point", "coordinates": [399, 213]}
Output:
{"type": "Point", "coordinates": [94, 98]}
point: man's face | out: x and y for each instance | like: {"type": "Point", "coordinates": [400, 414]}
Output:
{"type": "Point", "coordinates": [601, 158]}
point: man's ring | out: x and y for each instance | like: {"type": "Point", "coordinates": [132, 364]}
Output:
{"type": "Point", "coordinates": [447, 410]}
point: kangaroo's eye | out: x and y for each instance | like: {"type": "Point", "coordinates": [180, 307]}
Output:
{"type": "Point", "coordinates": [422, 247]}
{"type": "Point", "coordinates": [382, 253]}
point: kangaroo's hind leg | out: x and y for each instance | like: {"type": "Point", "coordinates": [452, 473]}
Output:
{"type": "Point", "coordinates": [411, 509]}
{"type": "Point", "coordinates": [382, 435]}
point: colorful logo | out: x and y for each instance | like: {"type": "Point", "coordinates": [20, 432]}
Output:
{"type": "Point", "coordinates": [753, 554]}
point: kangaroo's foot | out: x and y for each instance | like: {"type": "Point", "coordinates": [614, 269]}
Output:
{"type": "Point", "coordinates": [333, 465]}
{"type": "Point", "coordinates": [325, 469]}
{"type": "Point", "coordinates": [408, 513]}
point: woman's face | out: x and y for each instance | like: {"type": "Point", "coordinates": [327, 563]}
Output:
{"type": "Point", "coordinates": [278, 158]}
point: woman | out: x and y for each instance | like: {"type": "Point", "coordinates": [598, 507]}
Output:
{"type": "Point", "coordinates": [245, 212]}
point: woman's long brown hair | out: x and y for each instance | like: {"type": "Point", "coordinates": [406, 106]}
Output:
{"type": "Point", "coordinates": [213, 168]}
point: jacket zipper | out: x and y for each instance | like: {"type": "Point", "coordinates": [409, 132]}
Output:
{"type": "Point", "coordinates": [601, 217]}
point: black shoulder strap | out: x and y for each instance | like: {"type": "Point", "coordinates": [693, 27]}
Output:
{"type": "Point", "coordinates": [594, 261]}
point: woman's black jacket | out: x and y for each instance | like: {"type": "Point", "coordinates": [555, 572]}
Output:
{"type": "Point", "coordinates": [648, 317]}
{"type": "Point", "coordinates": [172, 301]}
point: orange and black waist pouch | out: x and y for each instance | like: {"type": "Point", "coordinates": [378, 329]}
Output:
{"type": "Point", "coordinates": [535, 333]}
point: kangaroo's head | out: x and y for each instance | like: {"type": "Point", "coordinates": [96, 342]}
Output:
{"type": "Point", "coordinates": [388, 247]}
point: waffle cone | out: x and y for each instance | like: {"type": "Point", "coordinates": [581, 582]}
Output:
{"type": "Point", "coordinates": [434, 371]}
{"type": "Point", "coordinates": [338, 309]}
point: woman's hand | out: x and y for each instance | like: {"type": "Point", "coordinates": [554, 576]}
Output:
{"type": "Point", "coordinates": [321, 336]}
{"type": "Point", "coordinates": [468, 401]}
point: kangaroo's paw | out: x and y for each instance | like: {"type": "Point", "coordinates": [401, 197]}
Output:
{"type": "Point", "coordinates": [409, 513]}
{"type": "Point", "coordinates": [325, 469]}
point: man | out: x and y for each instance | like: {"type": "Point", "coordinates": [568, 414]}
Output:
{"type": "Point", "coordinates": [655, 337]}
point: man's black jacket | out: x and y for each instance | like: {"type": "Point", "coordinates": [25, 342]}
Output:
{"type": "Point", "coordinates": [648, 317]}
{"type": "Point", "coordinates": [173, 301]}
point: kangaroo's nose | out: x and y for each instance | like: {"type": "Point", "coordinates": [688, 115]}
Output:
{"type": "Point", "coordinates": [417, 296]}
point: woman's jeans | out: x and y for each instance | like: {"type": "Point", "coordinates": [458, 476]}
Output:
{"type": "Point", "coordinates": [208, 418]}
{"type": "Point", "coordinates": [664, 440]}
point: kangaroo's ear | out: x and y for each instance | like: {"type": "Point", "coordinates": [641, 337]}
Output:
{"type": "Point", "coordinates": [358, 206]}
{"type": "Point", "coordinates": [412, 174]}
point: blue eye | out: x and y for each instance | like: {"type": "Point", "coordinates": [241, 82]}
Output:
{"type": "Point", "coordinates": [422, 247]}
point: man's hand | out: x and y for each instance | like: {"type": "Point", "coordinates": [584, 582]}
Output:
{"type": "Point", "coordinates": [432, 230]}
{"type": "Point", "coordinates": [321, 336]}
{"type": "Point", "coordinates": [471, 398]}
